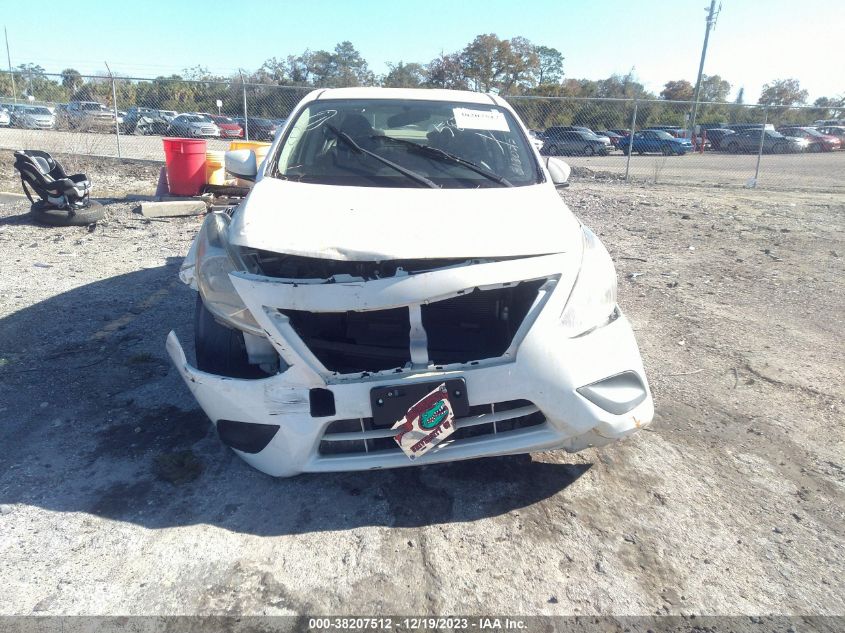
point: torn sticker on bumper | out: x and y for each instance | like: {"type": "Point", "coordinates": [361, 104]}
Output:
{"type": "Point", "coordinates": [427, 423]}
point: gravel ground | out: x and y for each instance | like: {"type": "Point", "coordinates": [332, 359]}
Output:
{"type": "Point", "coordinates": [117, 498]}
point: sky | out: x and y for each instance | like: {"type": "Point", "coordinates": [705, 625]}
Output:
{"type": "Point", "coordinates": [754, 42]}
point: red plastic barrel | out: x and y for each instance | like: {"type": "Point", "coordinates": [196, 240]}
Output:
{"type": "Point", "coordinates": [185, 160]}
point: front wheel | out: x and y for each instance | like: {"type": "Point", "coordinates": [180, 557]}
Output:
{"type": "Point", "coordinates": [779, 148]}
{"type": "Point", "coordinates": [219, 349]}
{"type": "Point", "coordinates": [667, 150]}
{"type": "Point", "coordinates": [553, 151]}
{"type": "Point", "coordinates": [588, 150]}
{"type": "Point", "coordinates": [816, 147]}
{"type": "Point", "coordinates": [733, 148]}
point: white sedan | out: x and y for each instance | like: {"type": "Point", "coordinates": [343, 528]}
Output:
{"type": "Point", "coordinates": [405, 285]}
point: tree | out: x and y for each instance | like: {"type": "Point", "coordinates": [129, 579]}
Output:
{"type": "Point", "coordinates": [349, 68]}
{"type": "Point", "coordinates": [740, 96]}
{"type": "Point", "coordinates": [549, 65]}
{"type": "Point", "coordinates": [829, 108]}
{"type": "Point", "coordinates": [519, 63]}
{"type": "Point", "coordinates": [446, 71]}
{"type": "Point", "coordinates": [678, 90]}
{"type": "Point", "coordinates": [714, 88]}
{"type": "Point", "coordinates": [782, 92]}
{"type": "Point", "coordinates": [482, 61]}
{"type": "Point", "coordinates": [403, 76]}
{"type": "Point", "coordinates": [71, 79]}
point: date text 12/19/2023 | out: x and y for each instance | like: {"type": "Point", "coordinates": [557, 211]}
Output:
{"type": "Point", "coordinates": [422, 623]}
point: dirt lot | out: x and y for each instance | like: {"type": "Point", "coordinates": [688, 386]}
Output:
{"type": "Point", "coordinates": [117, 498]}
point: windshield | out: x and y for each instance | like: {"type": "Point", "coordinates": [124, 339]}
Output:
{"type": "Point", "coordinates": [222, 119]}
{"type": "Point", "coordinates": [39, 111]}
{"type": "Point", "coordinates": [450, 144]}
{"type": "Point", "coordinates": [90, 106]}
{"type": "Point", "coordinates": [811, 131]}
{"type": "Point", "coordinates": [663, 135]}
{"type": "Point", "coordinates": [196, 118]}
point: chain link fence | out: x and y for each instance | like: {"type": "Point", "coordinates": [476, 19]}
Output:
{"type": "Point", "coordinates": [639, 140]}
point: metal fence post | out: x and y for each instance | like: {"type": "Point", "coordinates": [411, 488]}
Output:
{"type": "Point", "coordinates": [246, 116]}
{"type": "Point", "coordinates": [631, 141]}
{"type": "Point", "coordinates": [762, 139]}
{"type": "Point", "coordinates": [114, 106]}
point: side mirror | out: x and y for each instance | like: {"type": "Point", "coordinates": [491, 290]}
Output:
{"type": "Point", "coordinates": [241, 163]}
{"type": "Point", "coordinates": [559, 170]}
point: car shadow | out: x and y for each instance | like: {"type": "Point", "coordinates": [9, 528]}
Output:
{"type": "Point", "coordinates": [93, 418]}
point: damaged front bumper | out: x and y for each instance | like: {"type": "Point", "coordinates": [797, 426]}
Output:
{"type": "Point", "coordinates": [546, 391]}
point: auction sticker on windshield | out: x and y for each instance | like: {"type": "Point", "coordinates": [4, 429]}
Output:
{"type": "Point", "coordinates": [427, 423]}
{"type": "Point", "coordinates": [468, 119]}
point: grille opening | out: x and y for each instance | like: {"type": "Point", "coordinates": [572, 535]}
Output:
{"type": "Point", "coordinates": [477, 325]}
{"type": "Point", "coordinates": [281, 265]}
{"type": "Point", "coordinates": [351, 342]}
{"type": "Point", "coordinates": [352, 446]}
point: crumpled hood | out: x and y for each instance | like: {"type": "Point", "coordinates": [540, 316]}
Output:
{"type": "Point", "coordinates": [376, 224]}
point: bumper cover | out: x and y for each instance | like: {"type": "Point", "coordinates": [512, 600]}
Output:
{"type": "Point", "coordinates": [548, 370]}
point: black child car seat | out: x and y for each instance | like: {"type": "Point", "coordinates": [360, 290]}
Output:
{"type": "Point", "coordinates": [48, 179]}
{"type": "Point", "coordinates": [65, 200]}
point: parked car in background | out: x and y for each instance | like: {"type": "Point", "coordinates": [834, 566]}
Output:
{"type": "Point", "coordinates": [89, 115]}
{"type": "Point", "coordinates": [166, 115]}
{"type": "Point", "coordinates": [35, 118]}
{"type": "Point", "coordinates": [193, 126]}
{"type": "Point", "coordinates": [648, 141]}
{"type": "Point", "coordinates": [816, 141]}
{"type": "Point", "coordinates": [835, 130]}
{"type": "Point", "coordinates": [261, 129]}
{"type": "Point", "coordinates": [536, 140]}
{"type": "Point", "coordinates": [621, 131]}
{"type": "Point", "coordinates": [574, 142]}
{"type": "Point", "coordinates": [674, 130]}
{"type": "Point", "coordinates": [229, 128]}
{"type": "Point", "coordinates": [773, 142]}
{"type": "Point", "coordinates": [558, 129]}
{"type": "Point", "coordinates": [613, 137]}
{"type": "Point", "coordinates": [741, 127]}
{"type": "Point", "coordinates": [280, 123]}
{"type": "Point", "coordinates": [5, 118]}
{"type": "Point", "coordinates": [829, 122]}
{"type": "Point", "coordinates": [716, 136]}
{"type": "Point", "coordinates": [144, 121]}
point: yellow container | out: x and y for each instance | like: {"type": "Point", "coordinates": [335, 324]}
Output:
{"type": "Point", "coordinates": [215, 173]}
{"type": "Point", "coordinates": [260, 148]}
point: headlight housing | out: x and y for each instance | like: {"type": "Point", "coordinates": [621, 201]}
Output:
{"type": "Point", "coordinates": [592, 302]}
{"type": "Point", "coordinates": [215, 259]}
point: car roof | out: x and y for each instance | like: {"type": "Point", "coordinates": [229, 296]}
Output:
{"type": "Point", "coordinates": [419, 94]}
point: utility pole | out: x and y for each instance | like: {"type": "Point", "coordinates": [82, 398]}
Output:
{"type": "Point", "coordinates": [712, 14]}
{"type": "Point", "coordinates": [11, 74]}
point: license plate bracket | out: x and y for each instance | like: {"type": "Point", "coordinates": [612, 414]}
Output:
{"type": "Point", "coordinates": [391, 403]}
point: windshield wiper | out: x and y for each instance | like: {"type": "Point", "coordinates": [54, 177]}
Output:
{"type": "Point", "coordinates": [343, 136]}
{"type": "Point", "coordinates": [445, 156]}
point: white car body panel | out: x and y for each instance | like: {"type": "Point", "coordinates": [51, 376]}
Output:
{"type": "Point", "coordinates": [527, 231]}
{"type": "Point", "coordinates": [351, 223]}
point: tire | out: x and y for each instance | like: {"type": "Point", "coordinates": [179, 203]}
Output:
{"type": "Point", "coordinates": [640, 152]}
{"type": "Point", "coordinates": [219, 349]}
{"type": "Point", "coordinates": [588, 150]}
{"type": "Point", "coordinates": [553, 151]}
{"type": "Point", "coordinates": [816, 147]}
{"type": "Point", "coordinates": [48, 214]}
{"type": "Point", "coordinates": [733, 148]}
{"type": "Point", "coordinates": [667, 150]}
{"type": "Point", "coordinates": [780, 148]}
